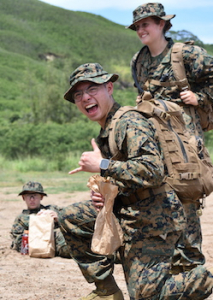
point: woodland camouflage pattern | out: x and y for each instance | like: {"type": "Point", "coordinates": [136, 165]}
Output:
{"type": "Point", "coordinates": [191, 254]}
{"type": "Point", "coordinates": [33, 187]}
{"type": "Point", "coordinates": [149, 10]}
{"type": "Point", "coordinates": [147, 252]}
{"type": "Point", "coordinates": [21, 223]}
{"type": "Point", "coordinates": [199, 72]}
{"type": "Point", "coordinates": [90, 72]}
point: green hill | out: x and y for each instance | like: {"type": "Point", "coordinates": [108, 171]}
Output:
{"type": "Point", "coordinates": [39, 47]}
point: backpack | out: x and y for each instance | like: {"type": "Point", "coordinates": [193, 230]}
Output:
{"type": "Point", "coordinates": [206, 113]}
{"type": "Point", "coordinates": [190, 171]}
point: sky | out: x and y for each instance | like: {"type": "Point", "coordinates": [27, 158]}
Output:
{"type": "Point", "coordinates": [192, 15]}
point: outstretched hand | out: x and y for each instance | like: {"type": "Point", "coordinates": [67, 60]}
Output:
{"type": "Point", "coordinates": [89, 161]}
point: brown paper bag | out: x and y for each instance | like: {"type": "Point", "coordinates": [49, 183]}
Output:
{"type": "Point", "coordinates": [108, 235]}
{"type": "Point", "coordinates": [41, 236]}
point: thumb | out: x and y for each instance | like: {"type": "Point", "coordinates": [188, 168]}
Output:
{"type": "Point", "coordinates": [94, 145]}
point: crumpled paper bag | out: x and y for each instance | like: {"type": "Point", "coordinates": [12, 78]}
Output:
{"type": "Point", "coordinates": [108, 235]}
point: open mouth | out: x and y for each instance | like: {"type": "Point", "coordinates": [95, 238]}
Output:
{"type": "Point", "coordinates": [91, 108]}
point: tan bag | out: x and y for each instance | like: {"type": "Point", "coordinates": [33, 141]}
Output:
{"type": "Point", "coordinates": [108, 235]}
{"type": "Point", "coordinates": [41, 236]}
{"type": "Point", "coordinates": [190, 171]}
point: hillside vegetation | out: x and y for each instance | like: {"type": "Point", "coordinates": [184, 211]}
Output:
{"type": "Point", "coordinates": [39, 47]}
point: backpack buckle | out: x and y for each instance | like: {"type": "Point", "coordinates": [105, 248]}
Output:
{"type": "Point", "coordinates": [186, 176]}
{"type": "Point", "coordinates": [161, 114]}
{"type": "Point", "coordinates": [183, 84]}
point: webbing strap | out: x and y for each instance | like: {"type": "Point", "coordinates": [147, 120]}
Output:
{"type": "Point", "coordinates": [162, 141]}
{"type": "Point", "coordinates": [182, 84]}
{"type": "Point", "coordinates": [161, 83]}
{"type": "Point", "coordinates": [178, 69]}
{"type": "Point", "coordinates": [178, 66]}
{"type": "Point", "coordinates": [122, 110]}
{"type": "Point", "coordinates": [144, 107]}
{"type": "Point", "coordinates": [189, 175]}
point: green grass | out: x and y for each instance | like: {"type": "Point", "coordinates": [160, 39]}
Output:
{"type": "Point", "coordinates": [17, 172]}
{"type": "Point", "coordinates": [53, 182]}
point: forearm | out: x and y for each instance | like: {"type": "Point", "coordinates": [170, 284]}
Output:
{"type": "Point", "coordinates": [20, 224]}
{"type": "Point", "coordinates": [16, 237]}
{"type": "Point", "coordinates": [134, 174]}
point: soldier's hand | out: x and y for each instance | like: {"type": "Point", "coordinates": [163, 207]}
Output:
{"type": "Point", "coordinates": [89, 161]}
{"type": "Point", "coordinates": [138, 99]}
{"type": "Point", "coordinates": [189, 98]}
{"type": "Point", "coordinates": [97, 200]}
{"type": "Point", "coordinates": [52, 213]}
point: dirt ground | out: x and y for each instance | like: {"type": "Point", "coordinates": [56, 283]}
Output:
{"type": "Point", "coordinates": [25, 278]}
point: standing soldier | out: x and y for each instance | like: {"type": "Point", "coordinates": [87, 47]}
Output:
{"type": "Point", "coordinates": [153, 72]}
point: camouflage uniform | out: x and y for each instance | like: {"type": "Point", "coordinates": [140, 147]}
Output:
{"type": "Point", "coordinates": [190, 249]}
{"type": "Point", "coordinates": [199, 72]}
{"type": "Point", "coordinates": [21, 222]}
{"type": "Point", "coordinates": [152, 218]}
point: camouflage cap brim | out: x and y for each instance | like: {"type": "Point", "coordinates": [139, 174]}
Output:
{"type": "Point", "coordinates": [30, 192]}
{"type": "Point", "coordinates": [166, 18]}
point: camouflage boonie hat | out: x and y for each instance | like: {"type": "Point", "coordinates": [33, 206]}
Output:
{"type": "Point", "coordinates": [149, 10]}
{"type": "Point", "coordinates": [88, 72]}
{"type": "Point", "coordinates": [32, 187]}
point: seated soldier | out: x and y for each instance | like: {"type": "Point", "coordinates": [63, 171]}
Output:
{"type": "Point", "coordinates": [32, 193]}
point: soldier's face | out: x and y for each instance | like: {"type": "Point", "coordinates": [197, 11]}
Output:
{"type": "Point", "coordinates": [32, 200]}
{"type": "Point", "coordinates": [95, 107]}
{"type": "Point", "coordinates": [149, 31]}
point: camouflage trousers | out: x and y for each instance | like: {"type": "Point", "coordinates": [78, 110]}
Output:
{"type": "Point", "coordinates": [147, 266]}
{"type": "Point", "coordinates": [77, 225]}
{"type": "Point", "coordinates": [189, 248]}
{"type": "Point", "coordinates": [146, 263]}
{"type": "Point", "coordinates": [61, 248]}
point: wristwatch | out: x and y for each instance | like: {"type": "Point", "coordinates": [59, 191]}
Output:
{"type": "Point", "coordinates": [104, 165]}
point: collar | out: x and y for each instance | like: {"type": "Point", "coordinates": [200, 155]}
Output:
{"type": "Point", "coordinates": [164, 57]}
{"type": "Point", "coordinates": [166, 54]}
{"type": "Point", "coordinates": [33, 211]}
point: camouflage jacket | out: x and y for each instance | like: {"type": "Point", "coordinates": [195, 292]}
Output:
{"type": "Point", "coordinates": [199, 72]}
{"type": "Point", "coordinates": [140, 169]}
{"type": "Point", "coordinates": [21, 223]}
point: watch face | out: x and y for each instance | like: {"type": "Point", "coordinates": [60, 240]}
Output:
{"type": "Point", "coordinates": [104, 164]}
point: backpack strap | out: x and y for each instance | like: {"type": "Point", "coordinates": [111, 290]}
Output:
{"type": "Point", "coordinates": [136, 70]}
{"type": "Point", "coordinates": [144, 107]}
{"type": "Point", "coordinates": [167, 156]}
{"type": "Point", "coordinates": [178, 69]}
{"type": "Point", "coordinates": [178, 66]}
{"type": "Point", "coordinates": [121, 111]}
